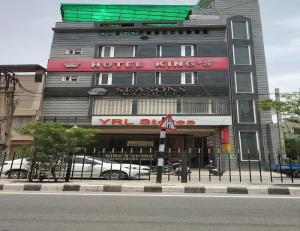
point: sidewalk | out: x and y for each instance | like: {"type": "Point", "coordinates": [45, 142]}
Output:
{"type": "Point", "coordinates": [145, 186]}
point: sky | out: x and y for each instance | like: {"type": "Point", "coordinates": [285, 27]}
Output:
{"type": "Point", "coordinates": [26, 34]}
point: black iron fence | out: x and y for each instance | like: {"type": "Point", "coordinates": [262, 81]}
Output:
{"type": "Point", "coordinates": [194, 165]}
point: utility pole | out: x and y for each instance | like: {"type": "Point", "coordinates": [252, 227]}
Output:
{"type": "Point", "coordinates": [167, 124]}
{"type": "Point", "coordinates": [160, 156]}
{"type": "Point", "coordinates": [8, 83]}
{"type": "Point", "coordinates": [280, 127]}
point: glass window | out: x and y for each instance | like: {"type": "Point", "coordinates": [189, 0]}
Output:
{"type": "Point", "coordinates": [241, 55]}
{"type": "Point", "coordinates": [248, 145]}
{"type": "Point", "coordinates": [240, 30]}
{"type": "Point", "coordinates": [169, 50]}
{"type": "Point", "coordinates": [246, 111]}
{"type": "Point", "coordinates": [118, 51]}
{"type": "Point", "coordinates": [170, 78]}
{"type": "Point", "coordinates": [243, 81]}
{"type": "Point", "coordinates": [70, 78]}
{"type": "Point", "coordinates": [112, 106]}
{"type": "Point", "coordinates": [187, 50]}
{"type": "Point", "coordinates": [187, 78]}
{"type": "Point", "coordinates": [124, 51]}
{"type": "Point", "coordinates": [117, 78]}
{"type": "Point", "coordinates": [123, 79]}
{"type": "Point", "coordinates": [219, 105]}
{"type": "Point", "coordinates": [107, 52]}
{"type": "Point", "coordinates": [76, 51]}
{"type": "Point", "coordinates": [105, 78]}
{"type": "Point", "coordinates": [156, 106]}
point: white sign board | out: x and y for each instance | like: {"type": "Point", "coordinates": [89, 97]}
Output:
{"type": "Point", "coordinates": [156, 120]}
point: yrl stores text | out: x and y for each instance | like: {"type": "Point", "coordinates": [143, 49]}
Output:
{"type": "Point", "coordinates": [123, 74]}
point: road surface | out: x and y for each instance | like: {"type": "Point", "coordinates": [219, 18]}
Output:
{"type": "Point", "coordinates": [140, 212]}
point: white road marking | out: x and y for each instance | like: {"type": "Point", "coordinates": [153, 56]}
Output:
{"type": "Point", "coordinates": [187, 195]}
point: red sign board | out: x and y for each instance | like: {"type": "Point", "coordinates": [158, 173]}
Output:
{"type": "Point", "coordinates": [139, 64]}
{"type": "Point", "coordinates": [225, 135]}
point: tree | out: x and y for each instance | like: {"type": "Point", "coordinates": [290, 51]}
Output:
{"type": "Point", "coordinates": [290, 110]}
{"type": "Point", "coordinates": [53, 141]}
{"type": "Point", "coordinates": [293, 147]}
{"type": "Point", "coordinates": [290, 106]}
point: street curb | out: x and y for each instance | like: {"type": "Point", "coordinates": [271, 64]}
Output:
{"type": "Point", "coordinates": [237, 190]}
{"type": "Point", "coordinates": [112, 188]}
{"type": "Point", "coordinates": [32, 187]}
{"type": "Point", "coordinates": [153, 189]}
{"type": "Point", "coordinates": [278, 191]}
{"type": "Point", "coordinates": [189, 189]}
{"type": "Point", "coordinates": [161, 189]}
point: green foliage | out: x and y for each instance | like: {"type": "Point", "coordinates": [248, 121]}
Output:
{"type": "Point", "coordinates": [292, 147]}
{"type": "Point", "coordinates": [290, 105]}
{"type": "Point", "coordinates": [52, 137]}
{"type": "Point", "coordinates": [23, 151]}
{"type": "Point", "coordinates": [52, 142]}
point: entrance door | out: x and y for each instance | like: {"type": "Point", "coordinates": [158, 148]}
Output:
{"type": "Point", "coordinates": [176, 144]}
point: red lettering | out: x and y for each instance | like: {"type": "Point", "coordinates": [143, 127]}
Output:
{"type": "Point", "coordinates": [127, 123]}
{"type": "Point", "coordinates": [116, 121]}
{"type": "Point", "coordinates": [154, 122]}
{"type": "Point", "coordinates": [144, 122]}
{"type": "Point", "coordinates": [180, 122]}
{"type": "Point", "coordinates": [190, 122]}
{"type": "Point", "coordinates": [104, 121]}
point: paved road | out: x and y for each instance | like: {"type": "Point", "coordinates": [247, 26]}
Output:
{"type": "Point", "coordinates": [46, 212]}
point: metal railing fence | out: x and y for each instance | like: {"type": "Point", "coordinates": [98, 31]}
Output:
{"type": "Point", "coordinates": [140, 164]}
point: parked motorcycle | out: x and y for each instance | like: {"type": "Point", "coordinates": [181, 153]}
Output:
{"type": "Point", "coordinates": [213, 170]}
{"type": "Point", "coordinates": [172, 168]}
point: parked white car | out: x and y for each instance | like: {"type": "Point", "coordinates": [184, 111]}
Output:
{"type": "Point", "coordinates": [85, 167]}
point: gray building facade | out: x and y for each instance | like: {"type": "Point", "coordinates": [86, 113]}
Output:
{"type": "Point", "coordinates": [207, 71]}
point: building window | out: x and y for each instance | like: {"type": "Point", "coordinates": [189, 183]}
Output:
{"type": "Point", "coordinates": [243, 82]}
{"type": "Point", "coordinates": [72, 78]}
{"type": "Point", "coordinates": [169, 50]}
{"type": "Point", "coordinates": [120, 51]}
{"type": "Point", "coordinates": [241, 55]}
{"type": "Point", "coordinates": [187, 78]}
{"type": "Point", "coordinates": [184, 105]}
{"type": "Point", "coordinates": [157, 106]}
{"type": "Point", "coordinates": [112, 106]}
{"type": "Point", "coordinates": [240, 30]}
{"type": "Point", "coordinates": [174, 78]}
{"type": "Point", "coordinates": [104, 78]}
{"type": "Point", "coordinates": [187, 50]}
{"type": "Point", "coordinates": [175, 50]}
{"type": "Point", "coordinates": [169, 77]}
{"type": "Point", "coordinates": [249, 145]}
{"type": "Point", "coordinates": [117, 78]}
{"type": "Point", "coordinates": [74, 51]}
{"type": "Point", "coordinates": [246, 111]}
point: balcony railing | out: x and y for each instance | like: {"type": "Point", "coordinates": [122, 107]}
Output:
{"type": "Point", "coordinates": [162, 106]}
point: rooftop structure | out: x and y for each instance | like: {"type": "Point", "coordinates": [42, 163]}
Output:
{"type": "Point", "coordinates": [123, 12]}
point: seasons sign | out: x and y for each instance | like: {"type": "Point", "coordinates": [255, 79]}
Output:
{"type": "Point", "coordinates": [139, 64]}
{"type": "Point", "coordinates": [150, 91]}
